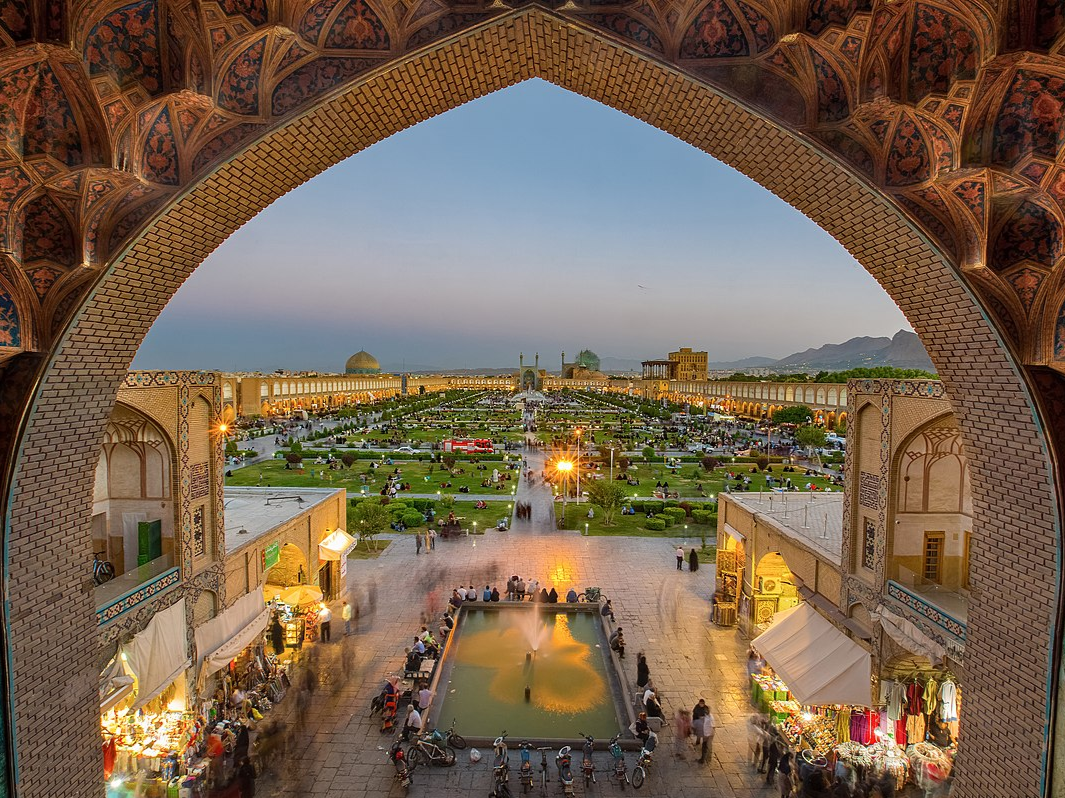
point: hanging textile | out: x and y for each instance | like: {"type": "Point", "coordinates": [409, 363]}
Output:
{"type": "Point", "coordinates": [931, 696]}
{"type": "Point", "coordinates": [896, 700]}
{"type": "Point", "coordinates": [843, 726]}
{"type": "Point", "coordinates": [914, 700]}
{"type": "Point", "coordinates": [915, 729]}
{"type": "Point", "coordinates": [900, 732]}
{"type": "Point", "coordinates": [948, 701]}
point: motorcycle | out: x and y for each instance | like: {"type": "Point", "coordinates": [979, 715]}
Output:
{"type": "Point", "coordinates": [525, 772]}
{"type": "Point", "coordinates": [643, 763]}
{"type": "Point", "coordinates": [565, 770]}
{"type": "Point", "coordinates": [621, 775]}
{"type": "Point", "coordinates": [501, 768]}
{"type": "Point", "coordinates": [587, 763]}
{"type": "Point", "coordinates": [399, 762]}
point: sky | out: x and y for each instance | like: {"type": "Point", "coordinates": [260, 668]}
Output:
{"type": "Point", "coordinates": [530, 220]}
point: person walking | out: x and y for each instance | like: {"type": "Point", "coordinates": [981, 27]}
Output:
{"type": "Point", "coordinates": [432, 540]}
{"type": "Point", "coordinates": [693, 560]}
{"type": "Point", "coordinates": [346, 614]}
{"type": "Point", "coordinates": [277, 635]}
{"type": "Point", "coordinates": [643, 672]}
{"type": "Point", "coordinates": [325, 621]}
{"type": "Point", "coordinates": [680, 558]}
{"type": "Point", "coordinates": [417, 542]}
{"type": "Point", "coordinates": [703, 729]}
{"type": "Point", "coordinates": [682, 730]}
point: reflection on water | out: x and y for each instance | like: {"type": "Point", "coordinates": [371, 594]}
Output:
{"type": "Point", "coordinates": [561, 673]}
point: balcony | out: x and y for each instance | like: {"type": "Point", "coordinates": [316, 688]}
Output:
{"type": "Point", "coordinates": [126, 591]}
{"type": "Point", "coordinates": [944, 607]}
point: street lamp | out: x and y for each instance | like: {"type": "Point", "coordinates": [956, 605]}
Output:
{"type": "Point", "coordinates": [579, 431]}
{"type": "Point", "coordinates": [565, 466]}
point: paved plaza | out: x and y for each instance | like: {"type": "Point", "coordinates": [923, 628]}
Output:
{"type": "Point", "coordinates": [664, 613]}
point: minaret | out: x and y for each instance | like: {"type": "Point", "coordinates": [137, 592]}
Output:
{"type": "Point", "coordinates": [563, 360]}
{"type": "Point", "coordinates": [521, 360]}
{"type": "Point", "coordinates": [537, 361]}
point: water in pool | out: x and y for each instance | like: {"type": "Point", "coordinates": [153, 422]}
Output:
{"type": "Point", "coordinates": [569, 691]}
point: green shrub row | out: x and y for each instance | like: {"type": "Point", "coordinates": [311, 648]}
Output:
{"type": "Point", "coordinates": [655, 524]}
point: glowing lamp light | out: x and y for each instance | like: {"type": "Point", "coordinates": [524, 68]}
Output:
{"type": "Point", "coordinates": [116, 783]}
{"type": "Point", "coordinates": [564, 465]}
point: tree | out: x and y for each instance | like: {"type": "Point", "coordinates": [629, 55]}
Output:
{"type": "Point", "coordinates": [762, 463]}
{"type": "Point", "coordinates": [648, 453]}
{"type": "Point", "coordinates": [841, 425]}
{"type": "Point", "coordinates": [792, 415]}
{"type": "Point", "coordinates": [709, 463]}
{"type": "Point", "coordinates": [231, 449]}
{"type": "Point", "coordinates": [623, 463]}
{"type": "Point", "coordinates": [348, 460]}
{"type": "Point", "coordinates": [810, 437]}
{"type": "Point", "coordinates": [293, 459]}
{"type": "Point", "coordinates": [449, 461]}
{"type": "Point", "coordinates": [608, 496]}
{"type": "Point", "coordinates": [447, 503]}
{"type": "Point", "coordinates": [372, 518]}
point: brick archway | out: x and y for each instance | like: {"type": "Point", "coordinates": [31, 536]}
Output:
{"type": "Point", "coordinates": [69, 389]}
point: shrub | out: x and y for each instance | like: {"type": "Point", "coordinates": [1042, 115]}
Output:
{"type": "Point", "coordinates": [762, 463]}
{"type": "Point", "coordinates": [412, 518]}
{"type": "Point", "coordinates": [702, 516]}
{"type": "Point", "coordinates": [397, 507]}
{"type": "Point", "coordinates": [655, 524]}
{"type": "Point", "coordinates": [687, 506]}
{"type": "Point", "coordinates": [666, 519]}
{"type": "Point", "coordinates": [676, 513]}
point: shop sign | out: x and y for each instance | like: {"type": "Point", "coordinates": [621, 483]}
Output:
{"type": "Point", "coordinates": [271, 555]}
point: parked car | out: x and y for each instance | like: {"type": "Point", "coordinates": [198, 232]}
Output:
{"type": "Point", "coordinates": [405, 450]}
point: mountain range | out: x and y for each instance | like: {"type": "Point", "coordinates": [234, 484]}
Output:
{"type": "Point", "coordinates": [903, 350]}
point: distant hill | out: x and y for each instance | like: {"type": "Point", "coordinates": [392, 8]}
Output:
{"type": "Point", "coordinates": [903, 350]}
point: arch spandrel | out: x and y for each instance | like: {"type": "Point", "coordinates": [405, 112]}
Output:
{"type": "Point", "coordinates": [164, 230]}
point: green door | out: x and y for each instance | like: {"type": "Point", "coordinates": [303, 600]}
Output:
{"type": "Point", "coordinates": [150, 541]}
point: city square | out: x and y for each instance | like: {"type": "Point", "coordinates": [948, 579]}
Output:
{"type": "Point", "coordinates": [181, 543]}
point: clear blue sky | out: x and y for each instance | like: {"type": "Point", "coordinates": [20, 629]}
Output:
{"type": "Point", "coordinates": [527, 220]}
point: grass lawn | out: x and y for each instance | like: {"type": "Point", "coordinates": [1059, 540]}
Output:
{"type": "Point", "coordinates": [689, 475]}
{"type": "Point", "coordinates": [464, 511]}
{"type": "Point", "coordinates": [360, 552]}
{"type": "Point", "coordinates": [274, 474]}
{"type": "Point", "coordinates": [627, 525]}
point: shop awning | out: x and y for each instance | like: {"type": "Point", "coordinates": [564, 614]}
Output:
{"type": "Point", "coordinates": [115, 684]}
{"type": "Point", "coordinates": [159, 654]}
{"type": "Point", "coordinates": [336, 546]}
{"type": "Point", "coordinates": [222, 638]}
{"type": "Point", "coordinates": [907, 635]}
{"type": "Point", "coordinates": [734, 533]}
{"type": "Point", "coordinates": [819, 663]}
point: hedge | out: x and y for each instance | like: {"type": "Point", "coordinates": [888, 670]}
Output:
{"type": "Point", "coordinates": [655, 524]}
{"type": "Point", "coordinates": [676, 513]}
{"type": "Point", "coordinates": [666, 519]}
{"type": "Point", "coordinates": [653, 507]}
{"type": "Point", "coordinates": [412, 518]}
{"type": "Point", "coordinates": [702, 516]}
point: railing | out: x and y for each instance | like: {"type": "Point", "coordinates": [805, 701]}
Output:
{"type": "Point", "coordinates": [945, 608]}
{"type": "Point", "coordinates": [127, 590]}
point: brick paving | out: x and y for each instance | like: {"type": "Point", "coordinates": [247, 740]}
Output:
{"type": "Point", "coordinates": [664, 613]}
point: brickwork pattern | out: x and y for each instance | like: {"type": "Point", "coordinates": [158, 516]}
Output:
{"type": "Point", "coordinates": [1014, 551]}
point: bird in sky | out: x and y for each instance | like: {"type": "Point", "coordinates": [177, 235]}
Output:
{"type": "Point", "coordinates": [644, 287]}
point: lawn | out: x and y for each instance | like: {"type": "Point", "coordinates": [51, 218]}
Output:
{"type": "Point", "coordinates": [627, 525]}
{"type": "Point", "coordinates": [687, 479]}
{"type": "Point", "coordinates": [467, 514]}
{"type": "Point", "coordinates": [274, 474]}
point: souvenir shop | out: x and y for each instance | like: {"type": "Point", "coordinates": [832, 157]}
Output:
{"type": "Point", "coordinates": [815, 688]}
{"type": "Point", "coordinates": [186, 733]}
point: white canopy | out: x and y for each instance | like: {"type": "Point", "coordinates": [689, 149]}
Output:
{"type": "Point", "coordinates": [819, 663]}
{"type": "Point", "coordinates": [336, 546]}
{"type": "Point", "coordinates": [221, 639]}
{"type": "Point", "coordinates": [115, 684]}
{"type": "Point", "coordinates": [159, 654]}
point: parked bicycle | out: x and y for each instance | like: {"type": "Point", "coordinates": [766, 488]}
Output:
{"type": "Point", "coordinates": [591, 594]}
{"type": "Point", "coordinates": [425, 750]}
{"type": "Point", "coordinates": [543, 768]}
{"type": "Point", "coordinates": [449, 737]}
{"type": "Point", "coordinates": [643, 763]}
{"type": "Point", "coordinates": [102, 570]}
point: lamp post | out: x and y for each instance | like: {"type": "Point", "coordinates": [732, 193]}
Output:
{"type": "Point", "coordinates": [565, 466]}
{"type": "Point", "coordinates": [579, 430]}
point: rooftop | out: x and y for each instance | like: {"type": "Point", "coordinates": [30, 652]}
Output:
{"type": "Point", "coordinates": [254, 512]}
{"type": "Point", "coordinates": [814, 519]}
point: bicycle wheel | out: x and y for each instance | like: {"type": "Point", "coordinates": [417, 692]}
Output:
{"type": "Point", "coordinates": [581, 597]}
{"type": "Point", "coordinates": [417, 757]}
{"type": "Point", "coordinates": [457, 742]}
{"type": "Point", "coordinates": [107, 571]}
{"type": "Point", "coordinates": [503, 791]}
{"type": "Point", "coordinates": [638, 775]}
{"type": "Point", "coordinates": [449, 756]}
